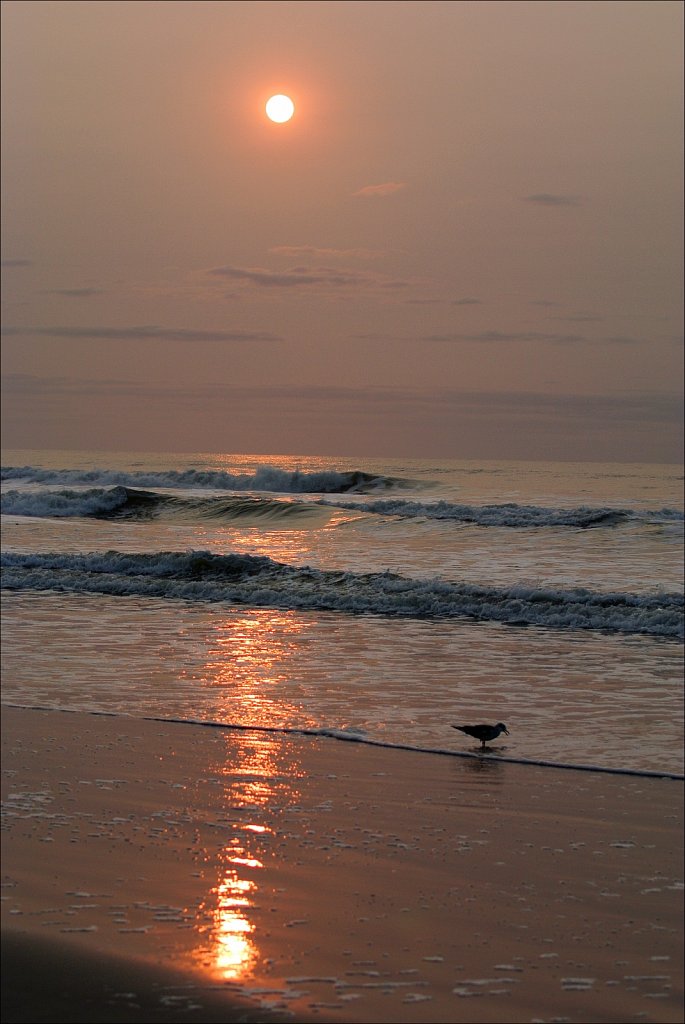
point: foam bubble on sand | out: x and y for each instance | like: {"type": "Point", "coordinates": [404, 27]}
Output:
{"type": "Point", "coordinates": [577, 984]}
{"type": "Point", "coordinates": [489, 981]}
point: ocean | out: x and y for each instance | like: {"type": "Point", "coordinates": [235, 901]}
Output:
{"type": "Point", "coordinates": [375, 601]}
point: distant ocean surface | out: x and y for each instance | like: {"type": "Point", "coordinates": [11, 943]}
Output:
{"type": "Point", "coordinates": [377, 601]}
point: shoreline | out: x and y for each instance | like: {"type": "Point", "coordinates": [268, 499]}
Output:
{"type": "Point", "coordinates": [283, 875]}
{"type": "Point", "coordinates": [495, 756]}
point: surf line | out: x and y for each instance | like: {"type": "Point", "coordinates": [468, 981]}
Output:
{"type": "Point", "coordinates": [338, 734]}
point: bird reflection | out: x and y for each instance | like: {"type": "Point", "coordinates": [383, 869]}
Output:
{"type": "Point", "coordinates": [491, 767]}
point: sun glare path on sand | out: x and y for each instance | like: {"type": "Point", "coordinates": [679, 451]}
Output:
{"type": "Point", "coordinates": [280, 108]}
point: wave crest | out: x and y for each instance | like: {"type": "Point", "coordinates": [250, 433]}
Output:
{"type": "Point", "coordinates": [262, 582]}
{"type": "Point", "coordinates": [508, 515]}
{"type": "Point", "coordinates": [265, 478]}
{"type": "Point", "coordinates": [128, 503]}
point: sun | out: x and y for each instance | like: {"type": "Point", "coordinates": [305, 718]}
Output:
{"type": "Point", "coordinates": [280, 108]}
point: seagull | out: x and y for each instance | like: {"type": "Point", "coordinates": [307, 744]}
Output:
{"type": "Point", "coordinates": [483, 732]}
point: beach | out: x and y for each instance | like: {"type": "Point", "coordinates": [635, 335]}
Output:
{"type": "Point", "coordinates": [342, 566]}
{"type": "Point", "coordinates": [170, 871]}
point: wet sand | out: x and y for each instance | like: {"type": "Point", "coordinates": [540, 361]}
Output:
{"type": "Point", "coordinates": [170, 872]}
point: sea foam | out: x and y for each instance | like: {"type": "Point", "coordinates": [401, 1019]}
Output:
{"type": "Point", "coordinates": [508, 514]}
{"type": "Point", "coordinates": [122, 501]}
{"type": "Point", "coordinates": [262, 582]}
{"type": "Point", "coordinates": [265, 478]}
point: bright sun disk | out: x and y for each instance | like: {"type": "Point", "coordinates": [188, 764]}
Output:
{"type": "Point", "coordinates": [280, 108]}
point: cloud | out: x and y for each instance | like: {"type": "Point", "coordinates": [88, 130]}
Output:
{"type": "Point", "coordinates": [17, 263]}
{"type": "Point", "coordinates": [550, 199]}
{"type": "Point", "coordinates": [294, 278]}
{"type": "Point", "coordinates": [76, 293]}
{"type": "Point", "coordinates": [307, 277]}
{"type": "Point", "coordinates": [31, 385]}
{"type": "Point", "coordinates": [145, 333]}
{"type": "Point", "coordinates": [579, 318]}
{"type": "Point", "coordinates": [377, 400]}
{"type": "Point", "coordinates": [432, 423]}
{"type": "Point", "coordinates": [388, 188]}
{"type": "Point", "coordinates": [467, 302]}
{"type": "Point", "coordinates": [316, 252]}
{"type": "Point", "coordinates": [504, 336]}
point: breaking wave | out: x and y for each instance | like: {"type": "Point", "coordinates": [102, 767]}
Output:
{"type": "Point", "coordinates": [262, 582]}
{"type": "Point", "coordinates": [121, 502]}
{"type": "Point", "coordinates": [266, 478]}
{"type": "Point", "coordinates": [128, 503]}
{"type": "Point", "coordinates": [509, 514]}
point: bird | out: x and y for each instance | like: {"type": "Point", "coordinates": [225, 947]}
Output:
{"type": "Point", "coordinates": [483, 732]}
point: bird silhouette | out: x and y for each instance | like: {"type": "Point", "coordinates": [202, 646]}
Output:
{"type": "Point", "coordinates": [483, 732]}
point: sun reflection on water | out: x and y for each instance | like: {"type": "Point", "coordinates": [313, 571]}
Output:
{"type": "Point", "coordinates": [259, 772]}
{"type": "Point", "coordinates": [234, 951]}
{"type": "Point", "coordinates": [249, 665]}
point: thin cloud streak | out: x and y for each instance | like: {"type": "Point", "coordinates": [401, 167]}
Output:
{"type": "Point", "coordinates": [307, 277]}
{"type": "Point", "coordinates": [448, 422]}
{"type": "Point", "coordinates": [76, 293]}
{"type": "Point", "coordinates": [327, 253]}
{"type": "Point", "coordinates": [387, 188]}
{"type": "Point", "coordinates": [550, 199]}
{"type": "Point", "coordinates": [144, 333]}
{"type": "Point", "coordinates": [580, 318]}
{"type": "Point", "coordinates": [654, 406]}
{"type": "Point", "coordinates": [503, 337]}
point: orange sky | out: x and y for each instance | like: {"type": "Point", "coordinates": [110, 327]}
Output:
{"type": "Point", "coordinates": [466, 243]}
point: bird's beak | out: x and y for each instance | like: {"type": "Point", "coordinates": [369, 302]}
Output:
{"type": "Point", "coordinates": [506, 731]}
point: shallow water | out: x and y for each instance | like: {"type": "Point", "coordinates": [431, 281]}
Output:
{"type": "Point", "coordinates": [611, 701]}
{"type": "Point", "coordinates": [575, 695]}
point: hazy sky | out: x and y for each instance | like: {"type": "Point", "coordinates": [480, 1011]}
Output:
{"type": "Point", "coordinates": [466, 243]}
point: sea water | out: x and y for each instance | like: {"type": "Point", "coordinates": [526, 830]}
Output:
{"type": "Point", "coordinates": [373, 600]}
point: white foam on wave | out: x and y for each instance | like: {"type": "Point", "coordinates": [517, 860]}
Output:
{"type": "Point", "coordinates": [130, 503]}
{"type": "Point", "coordinates": [265, 478]}
{"type": "Point", "coordinates": [508, 514]}
{"type": "Point", "coordinates": [262, 582]}
{"type": "Point", "coordinates": [61, 504]}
